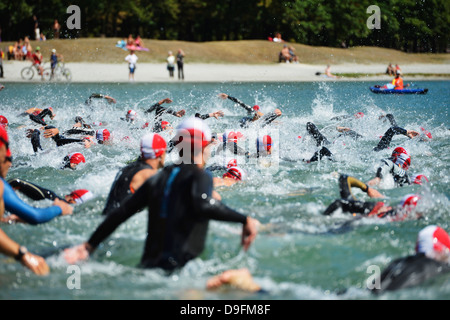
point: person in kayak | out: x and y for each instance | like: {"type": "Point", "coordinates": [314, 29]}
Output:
{"type": "Point", "coordinates": [431, 259]}
{"type": "Point", "coordinates": [180, 208]}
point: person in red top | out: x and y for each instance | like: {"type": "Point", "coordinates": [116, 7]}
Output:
{"type": "Point", "coordinates": [37, 60]}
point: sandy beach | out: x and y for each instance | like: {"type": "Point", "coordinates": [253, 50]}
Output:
{"type": "Point", "coordinates": [198, 72]}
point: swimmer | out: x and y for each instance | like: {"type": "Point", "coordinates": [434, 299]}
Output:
{"type": "Point", "coordinates": [14, 205]}
{"type": "Point", "coordinates": [130, 178]}
{"type": "Point", "coordinates": [432, 258]}
{"type": "Point", "coordinates": [253, 113]}
{"type": "Point", "coordinates": [4, 122]}
{"type": "Point", "coordinates": [349, 204]}
{"type": "Point", "coordinates": [99, 96]}
{"type": "Point", "coordinates": [216, 115]}
{"type": "Point", "coordinates": [396, 167]}
{"type": "Point", "coordinates": [232, 176]}
{"type": "Point", "coordinates": [180, 207]}
{"type": "Point", "coordinates": [160, 111]}
{"type": "Point", "coordinates": [72, 161]}
{"type": "Point", "coordinates": [37, 115]}
{"type": "Point", "coordinates": [53, 133]}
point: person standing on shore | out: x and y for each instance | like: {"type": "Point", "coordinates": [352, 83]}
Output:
{"type": "Point", "coordinates": [180, 64]}
{"type": "Point", "coordinates": [171, 63]}
{"type": "Point", "coordinates": [132, 60]}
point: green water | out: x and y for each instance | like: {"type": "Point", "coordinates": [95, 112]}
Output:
{"type": "Point", "coordinates": [297, 257]}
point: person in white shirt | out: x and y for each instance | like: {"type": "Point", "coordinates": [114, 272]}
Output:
{"type": "Point", "coordinates": [131, 59]}
{"type": "Point", "coordinates": [171, 63]}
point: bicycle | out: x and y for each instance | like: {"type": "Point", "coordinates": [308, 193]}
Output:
{"type": "Point", "coordinates": [27, 73]}
{"type": "Point", "coordinates": [59, 72]}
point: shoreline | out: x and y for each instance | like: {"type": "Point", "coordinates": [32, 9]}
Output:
{"type": "Point", "coordinates": [87, 72]}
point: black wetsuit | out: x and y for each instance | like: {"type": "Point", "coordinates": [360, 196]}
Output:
{"type": "Point", "coordinates": [409, 272]}
{"type": "Point", "coordinates": [121, 188]}
{"type": "Point", "coordinates": [58, 139]}
{"type": "Point", "coordinates": [348, 203]}
{"type": "Point", "coordinates": [246, 121]}
{"type": "Point", "coordinates": [40, 117]}
{"type": "Point", "coordinates": [387, 138]}
{"type": "Point", "coordinates": [180, 206]}
{"type": "Point", "coordinates": [321, 141]}
{"type": "Point", "coordinates": [33, 191]}
{"type": "Point", "coordinates": [160, 111]}
{"type": "Point", "coordinates": [94, 96]}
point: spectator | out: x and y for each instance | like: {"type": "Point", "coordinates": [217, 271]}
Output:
{"type": "Point", "coordinates": [328, 72]}
{"type": "Point", "coordinates": [285, 55]}
{"type": "Point", "coordinates": [390, 70]}
{"type": "Point", "coordinates": [180, 64]}
{"type": "Point", "coordinates": [43, 37]}
{"type": "Point", "coordinates": [132, 60]}
{"type": "Point", "coordinates": [171, 63]}
{"type": "Point", "coordinates": [130, 40]}
{"type": "Point", "coordinates": [2, 55]}
{"type": "Point", "coordinates": [56, 28]}
{"type": "Point", "coordinates": [37, 60]}
{"type": "Point", "coordinates": [278, 38]}
{"type": "Point", "coordinates": [292, 54]}
{"type": "Point", "coordinates": [37, 31]}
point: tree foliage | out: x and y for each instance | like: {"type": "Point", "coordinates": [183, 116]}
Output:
{"type": "Point", "coordinates": [410, 25]}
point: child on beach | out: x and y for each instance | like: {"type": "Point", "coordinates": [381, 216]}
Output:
{"type": "Point", "coordinates": [131, 59]}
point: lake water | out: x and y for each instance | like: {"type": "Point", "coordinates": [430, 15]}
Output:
{"type": "Point", "coordinates": [296, 256]}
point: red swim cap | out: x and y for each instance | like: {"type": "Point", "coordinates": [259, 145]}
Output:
{"type": "Point", "coordinates": [420, 179]}
{"type": "Point", "coordinates": [164, 124]}
{"type": "Point", "coordinates": [409, 202]}
{"type": "Point", "coordinates": [235, 173]}
{"type": "Point", "coordinates": [232, 163]}
{"type": "Point", "coordinates": [359, 115]}
{"type": "Point", "coordinates": [401, 157]}
{"type": "Point", "coordinates": [152, 146]}
{"type": "Point", "coordinates": [4, 137]}
{"type": "Point", "coordinates": [256, 108]}
{"type": "Point", "coordinates": [82, 195]}
{"type": "Point", "coordinates": [3, 121]}
{"type": "Point", "coordinates": [103, 135]}
{"type": "Point", "coordinates": [131, 115]}
{"type": "Point", "coordinates": [77, 158]}
{"type": "Point", "coordinates": [195, 131]}
{"type": "Point", "coordinates": [434, 242]}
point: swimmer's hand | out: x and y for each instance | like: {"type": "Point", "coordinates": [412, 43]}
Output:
{"type": "Point", "coordinates": [35, 263]}
{"type": "Point", "coordinates": [181, 113]}
{"type": "Point", "coordinates": [166, 100]}
{"type": "Point", "coordinates": [65, 207]}
{"type": "Point", "coordinates": [49, 133]}
{"type": "Point", "coordinates": [216, 114]}
{"type": "Point", "coordinates": [249, 232]}
{"type": "Point", "coordinates": [2, 87]}
{"type": "Point", "coordinates": [223, 96]}
{"type": "Point", "coordinates": [412, 134]}
{"type": "Point", "coordinates": [77, 254]}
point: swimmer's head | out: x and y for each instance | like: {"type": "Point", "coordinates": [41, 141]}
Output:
{"type": "Point", "coordinates": [420, 179]}
{"type": "Point", "coordinates": [401, 158]}
{"type": "Point", "coordinates": [264, 143]}
{"type": "Point", "coordinates": [409, 202]}
{"type": "Point", "coordinates": [359, 115]}
{"type": "Point", "coordinates": [4, 140]}
{"type": "Point", "coordinates": [75, 159]}
{"type": "Point", "coordinates": [232, 163]}
{"type": "Point", "coordinates": [165, 125]}
{"type": "Point", "coordinates": [152, 146]}
{"type": "Point", "coordinates": [4, 122]}
{"type": "Point", "coordinates": [256, 108]}
{"type": "Point", "coordinates": [103, 136]}
{"type": "Point", "coordinates": [194, 131]}
{"type": "Point", "coordinates": [131, 115]}
{"type": "Point", "coordinates": [235, 173]}
{"type": "Point", "coordinates": [79, 196]}
{"type": "Point", "coordinates": [434, 242]}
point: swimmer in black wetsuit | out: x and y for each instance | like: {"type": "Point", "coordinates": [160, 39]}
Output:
{"type": "Point", "coordinates": [37, 115]}
{"type": "Point", "coordinates": [349, 204]}
{"type": "Point", "coordinates": [253, 114]}
{"type": "Point", "coordinates": [130, 178]}
{"type": "Point", "coordinates": [160, 111]}
{"type": "Point", "coordinates": [180, 207]}
{"type": "Point", "coordinates": [99, 96]}
{"type": "Point", "coordinates": [53, 132]}
{"type": "Point", "coordinates": [216, 115]}
{"type": "Point", "coordinates": [430, 260]}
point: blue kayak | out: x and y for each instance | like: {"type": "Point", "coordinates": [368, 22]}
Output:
{"type": "Point", "coordinates": [393, 91]}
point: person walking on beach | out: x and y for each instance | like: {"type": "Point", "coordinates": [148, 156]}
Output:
{"type": "Point", "coordinates": [171, 63]}
{"type": "Point", "coordinates": [132, 60]}
{"type": "Point", "coordinates": [180, 64]}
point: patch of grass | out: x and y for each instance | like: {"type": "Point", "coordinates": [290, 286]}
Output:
{"type": "Point", "coordinates": [103, 50]}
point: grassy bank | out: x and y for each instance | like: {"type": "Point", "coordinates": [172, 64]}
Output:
{"type": "Point", "coordinates": [103, 50]}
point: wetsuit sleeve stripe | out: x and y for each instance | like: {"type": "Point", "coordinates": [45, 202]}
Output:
{"type": "Point", "coordinates": [27, 213]}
